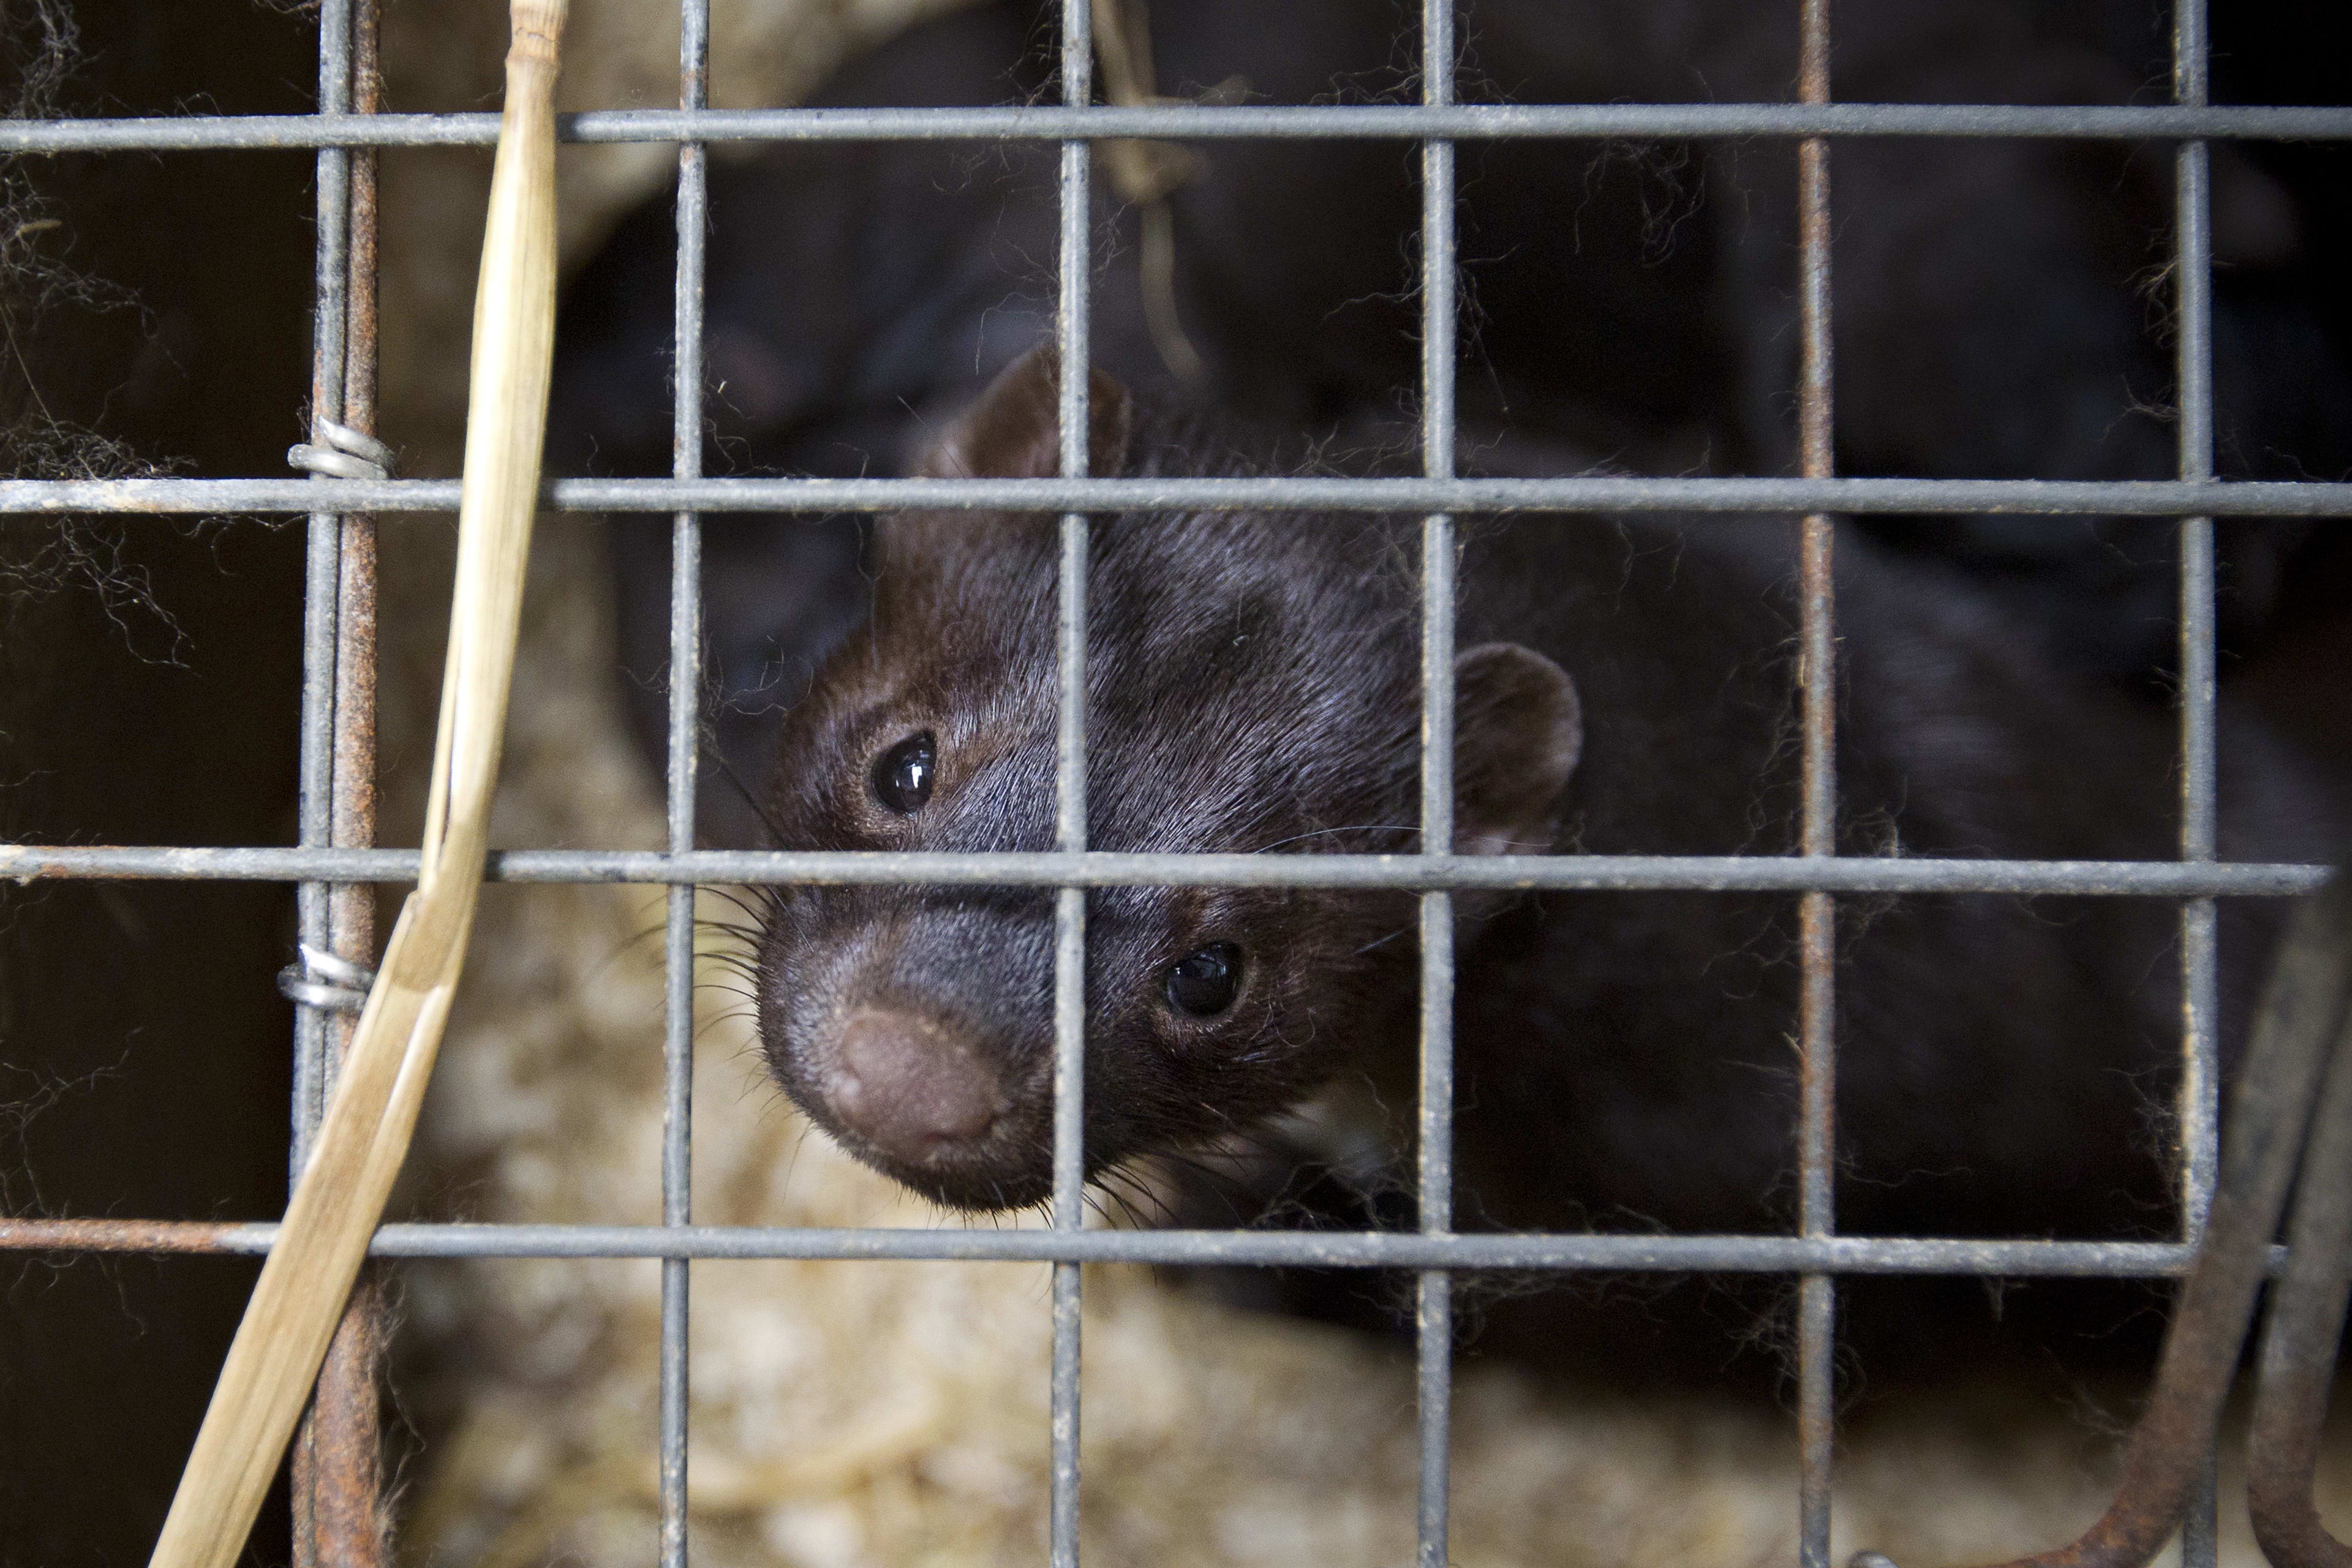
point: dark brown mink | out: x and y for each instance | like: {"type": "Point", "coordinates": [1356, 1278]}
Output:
{"type": "Point", "coordinates": [1625, 686]}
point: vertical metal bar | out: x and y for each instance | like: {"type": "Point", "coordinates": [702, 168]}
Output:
{"type": "Point", "coordinates": [340, 1508]}
{"type": "Point", "coordinates": [1433, 1316]}
{"type": "Point", "coordinates": [1070, 788]}
{"type": "Point", "coordinates": [685, 714]}
{"type": "Point", "coordinates": [2199, 1102]}
{"type": "Point", "coordinates": [1816, 913]}
{"type": "Point", "coordinates": [322, 583]}
{"type": "Point", "coordinates": [2201, 1087]}
{"type": "Point", "coordinates": [324, 552]}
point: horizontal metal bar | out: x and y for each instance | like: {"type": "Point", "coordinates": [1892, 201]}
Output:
{"type": "Point", "coordinates": [1097, 868]}
{"type": "Point", "coordinates": [143, 1236]}
{"type": "Point", "coordinates": [1587, 493]}
{"type": "Point", "coordinates": [1329, 1250]}
{"type": "Point", "coordinates": [1199, 123]}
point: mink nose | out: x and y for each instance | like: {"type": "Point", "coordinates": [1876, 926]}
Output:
{"type": "Point", "coordinates": [910, 1088]}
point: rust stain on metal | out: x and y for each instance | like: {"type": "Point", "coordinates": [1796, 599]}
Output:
{"type": "Point", "coordinates": [1817, 913]}
{"type": "Point", "coordinates": [346, 1516]}
{"type": "Point", "coordinates": [2300, 1344]}
{"type": "Point", "coordinates": [24, 863]}
{"type": "Point", "coordinates": [150, 1235]}
{"type": "Point", "coordinates": [2303, 1011]}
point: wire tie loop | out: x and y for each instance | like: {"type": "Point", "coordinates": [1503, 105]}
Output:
{"type": "Point", "coordinates": [348, 454]}
{"type": "Point", "coordinates": [323, 979]}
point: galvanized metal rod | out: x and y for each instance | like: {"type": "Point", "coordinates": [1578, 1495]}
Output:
{"type": "Point", "coordinates": [1566, 496]}
{"type": "Point", "coordinates": [323, 587]}
{"type": "Point", "coordinates": [2198, 1101]}
{"type": "Point", "coordinates": [1073, 343]}
{"type": "Point", "coordinates": [1095, 869]}
{"type": "Point", "coordinates": [323, 554]}
{"type": "Point", "coordinates": [2301, 1341]}
{"type": "Point", "coordinates": [1049, 122]}
{"type": "Point", "coordinates": [1566, 1253]}
{"type": "Point", "coordinates": [2200, 1096]}
{"type": "Point", "coordinates": [1816, 914]}
{"type": "Point", "coordinates": [1434, 1307]}
{"type": "Point", "coordinates": [685, 735]}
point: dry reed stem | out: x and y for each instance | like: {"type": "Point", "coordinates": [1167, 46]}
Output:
{"type": "Point", "coordinates": [336, 1205]}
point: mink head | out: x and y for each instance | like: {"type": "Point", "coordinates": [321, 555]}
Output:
{"type": "Point", "coordinates": [1251, 686]}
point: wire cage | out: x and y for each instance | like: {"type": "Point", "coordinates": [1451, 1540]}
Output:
{"type": "Point", "coordinates": [334, 866]}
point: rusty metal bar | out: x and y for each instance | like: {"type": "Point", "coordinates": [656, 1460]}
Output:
{"type": "Point", "coordinates": [341, 1518]}
{"type": "Point", "coordinates": [2302, 1008]}
{"type": "Point", "coordinates": [352, 793]}
{"type": "Point", "coordinates": [1816, 911]}
{"type": "Point", "coordinates": [158, 1238]}
{"type": "Point", "coordinates": [2301, 1341]}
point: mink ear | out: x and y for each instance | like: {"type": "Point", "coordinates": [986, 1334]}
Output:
{"type": "Point", "coordinates": [1517, 731]}
{"type": "Point", "coordinates": [1013, 432]}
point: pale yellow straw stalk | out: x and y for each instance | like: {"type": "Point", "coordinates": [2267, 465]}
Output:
{"type": "Point", "coordinates": [341, 1196]}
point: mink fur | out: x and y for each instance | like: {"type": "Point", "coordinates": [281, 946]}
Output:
{"type": "Point", "coordinates": [1624, 1059]}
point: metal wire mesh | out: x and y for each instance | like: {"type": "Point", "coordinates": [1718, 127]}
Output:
{"type": "Point", "coordinates": [323, 860]}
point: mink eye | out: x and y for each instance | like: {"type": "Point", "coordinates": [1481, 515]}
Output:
{"type": "Point", "coordinates": [902, 776]}
{"type": "Point", "coordinates": [1203, 982]}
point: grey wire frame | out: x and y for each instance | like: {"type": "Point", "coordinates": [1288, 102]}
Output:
{"type": "Point", "coordinates": [1815, 1254]}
